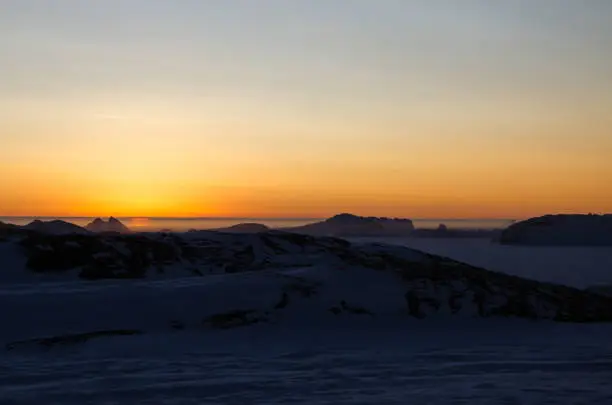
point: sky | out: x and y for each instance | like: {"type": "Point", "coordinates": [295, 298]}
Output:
{"type": "Point", "coordinates": [305, 108]}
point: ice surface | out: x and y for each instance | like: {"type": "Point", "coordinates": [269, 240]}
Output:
{"type": "Point", "coordinates": [419, 362]}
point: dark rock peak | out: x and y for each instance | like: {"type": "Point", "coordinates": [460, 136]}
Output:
{"type": "Point", "coordinates": [113, 225]}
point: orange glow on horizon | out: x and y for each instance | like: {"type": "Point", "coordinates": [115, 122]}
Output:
{"type": "Point", "coordinates": [424, 112]}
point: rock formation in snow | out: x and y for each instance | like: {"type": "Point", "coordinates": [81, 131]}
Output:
{"type": "Point", "coordinates": [560, 230]}
{"type": "Point", "coordinates": [113, 225]}
{"type": "Point", "coordinates": [353, 225]}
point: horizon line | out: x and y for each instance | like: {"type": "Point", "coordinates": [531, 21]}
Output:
{"type": "Point", "coordinates": [252, 217]}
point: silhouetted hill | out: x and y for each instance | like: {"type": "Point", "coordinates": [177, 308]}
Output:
{"type": "Point", "coordinates": [6, 230]}
{"type": "Point", "coordinates": [6, 226]}
{"type": "Point", "coordinates": [113, 225]}
{"type": "Point", "coordinates": [560, 230]}
{"type": "Point", "coordinates": [244, 228]}
{"type": "Point", "coordinates": [353, 225]}
{"type": "Point", "coordinates": [55, 227]}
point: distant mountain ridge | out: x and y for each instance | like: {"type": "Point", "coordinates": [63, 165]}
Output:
{"type": "Point", "coordinates": [354, 225]}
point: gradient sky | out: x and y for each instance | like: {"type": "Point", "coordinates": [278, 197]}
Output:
{"type": "Point", "coordinates": [443, 108]}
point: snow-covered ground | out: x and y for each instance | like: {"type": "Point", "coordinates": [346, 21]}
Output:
{"type": "Point", "coordinates": [571, 265]}
{"type": "Point", "coordinates": [297, 350]}
{"type": "Point", "coordinates": [483, 362]}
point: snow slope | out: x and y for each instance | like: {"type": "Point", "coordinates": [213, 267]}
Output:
{"type": "Point", "coordinates": [424, 362]}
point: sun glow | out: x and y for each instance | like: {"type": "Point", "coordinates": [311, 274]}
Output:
{"type": "Point", "coordinates": [490, 115]}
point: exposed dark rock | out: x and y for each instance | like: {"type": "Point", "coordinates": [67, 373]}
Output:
{"type": "Point", "coordinates": [414, 304]}
{"type": "Point", "coordinates": [335, 310]}
{"type": "Point", "coordinates": [354, 309]}
{"type": "Point", "coordinates": [71, 339]}
{"type": "Point", "coordinates": [233, 319]}
{"type": "Point", "coordinates": [454, 302]}
{"type": "Point", "coordinates": [283, 302]}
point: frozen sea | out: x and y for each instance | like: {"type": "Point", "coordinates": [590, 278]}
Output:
{"type": "Point", "coordinates": [437, 361]}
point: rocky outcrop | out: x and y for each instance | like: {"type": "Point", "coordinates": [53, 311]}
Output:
{"type": "Point", "coordinates": [560, 230]}
{"type": "Point", "coordinates": [98, 225]}
{"type": "Point", "coordinates": [352, 225]}
{"type": "Point", "coordinates": [311, 275]}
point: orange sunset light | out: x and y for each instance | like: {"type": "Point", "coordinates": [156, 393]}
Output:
{"type": "Point", "coordinates": [489, 115]}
